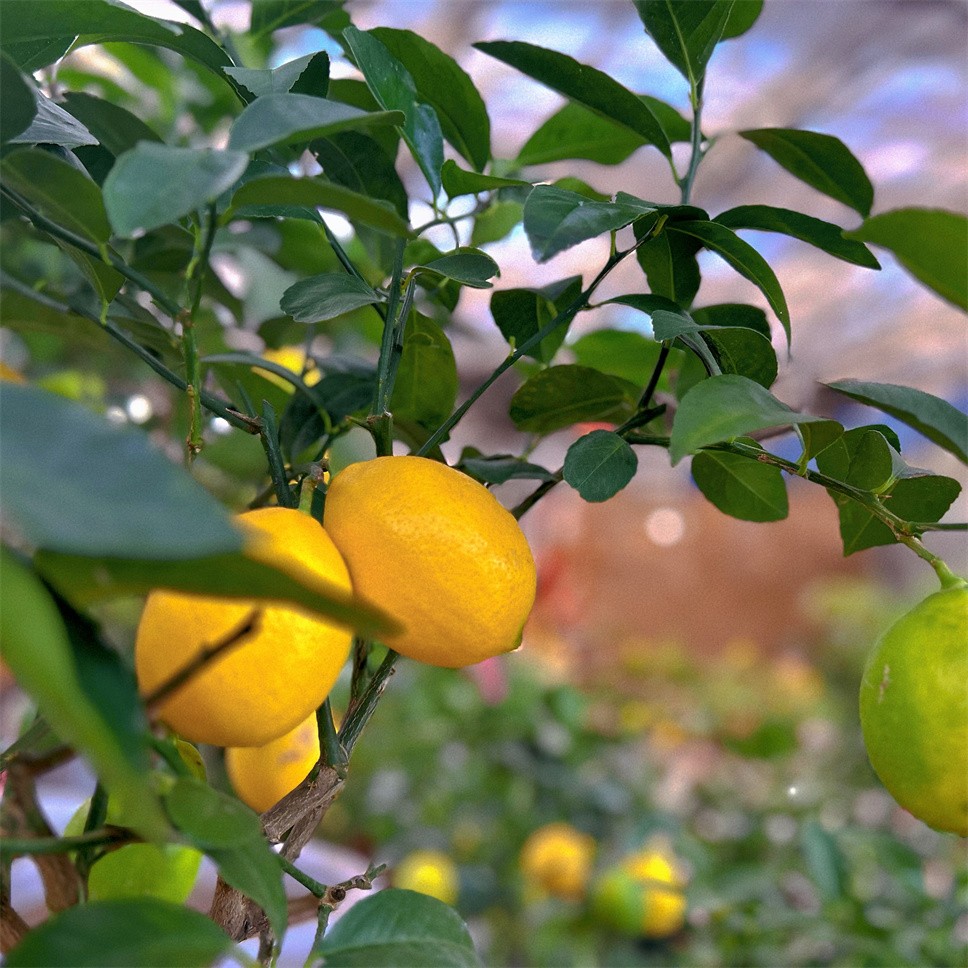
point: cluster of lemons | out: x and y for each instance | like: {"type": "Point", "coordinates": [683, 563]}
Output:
{"type": "Point", "coordinates": [428, 545]}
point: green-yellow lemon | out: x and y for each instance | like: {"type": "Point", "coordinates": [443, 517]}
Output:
{"type": "Point", "coordinates": [277, 675]}
{"type": "Point", "coordinates": [438, 552]}
{"type": "Point", "coordinates": [429, 872]}
{"type": "Point", "coordinates": [263, 775]}
{"type": "Point", "coordinates": [558, 859]}
{"type": "Point", "coordinates": [914, 710]}
{"type": "Point", "coordinates": [642, 896]}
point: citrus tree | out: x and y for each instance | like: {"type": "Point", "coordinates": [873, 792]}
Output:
{"type": "Point", "coordinates": [114, 218]}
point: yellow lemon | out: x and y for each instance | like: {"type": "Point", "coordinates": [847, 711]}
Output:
{"type": "Point", "coordinates": [642, 896]}
{"type": "Point", "coordinates": [438, 552]}
{"type": "Point", "coordinates": [558, 859]}
{"type": "Point", "coordinates": [292, 358]}
{"type": "Point", "coordinates": [914, 710]}
{"type": "Point", "coordinates": [274, 678]}
{"type": "Point", "coordinates": [428, 872]}
{"type": "Point", "coordinates": [263, 775]}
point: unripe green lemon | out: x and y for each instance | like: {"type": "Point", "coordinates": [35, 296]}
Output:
{"type": "Point", "coordinates": [914, 710]}
{"type": "Point", "coordinates": [642, 896]}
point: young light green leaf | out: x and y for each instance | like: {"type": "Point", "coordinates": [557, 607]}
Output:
{"type": "Point", "coordinates": [141, 933]}
{"type": "Point", "coordinates": [398, 927]}
{"type": "Point", "coordinates": [155, 184]}
{"type": "Point", "coordinates": [564, 395]}
{"type": "Point", "coordinates": [57, 495]}
{"type": "Point", "coordinates": [443, 84]}
{"type": "Point", "coordinates": [167, 872]}
{"type": "Point", "coordinates": [583, 84]}
{"type": "Point", "coordinates": [823, 235]}
{"type": "Point", "coordinates": [522, 313]}
{"type": "Point", "coordinates": [304, 75]}
{"type": "Point", "coordinates": [728, 406]}
{"type": "Point", "coordinates": [18, 103]}
{"type": "Point", "coordinates": [599, 465]}
{"type": "Point", "coordinates": [821, 160]}
{"type": "Point", "coordinates": [622, 353]}
{"type": "Point", "coordinates": [469, 267]}
{"type": "Point", "coordinates": [284, 119]}
{"type": "Point", "coordinates": [743, 258]}
{"type": "Point", "coordinates": [929, 243]}
{"type": "Point", "coordinates": [116, 128]}
{"type": "Point", "coordinates": [740, 487]}
{"type": "Point", "coordinates": [457, 181]}
{"type": "Point", "coordinates": [555, 219]}
{"type": "Point", "coordinates": [686, 33]}
{"type": "Point", "coordinates": [327, 296]}
{"type": "Point", "coordinates": [931, 416]}
{"type": "Point", "coordinates": [426, 385]}
{"type": "Point", "coordinates": [497, 222]}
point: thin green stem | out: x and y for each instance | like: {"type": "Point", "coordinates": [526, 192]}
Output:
{"type": "Point", "coordinates": [277, 468]}
{"type": "Point", "coordinates": [945, 575]}
{"type": "Point", "coordinates": [21, 846]}
{"type": "Point", "coordinates": [536, 495]}
{"type": "Point", "coordinates": [311, 885]}
{"type": "Point", "coordinates": [696, 154]}
{"type": "Point", "coordinates": [359, 715]}
{"type": "Point", "coordinates": [332, 752]}
{"type": "Point", "coordinates": [389, 339]}
{"type": "Point", "coordinates": [654, 378]}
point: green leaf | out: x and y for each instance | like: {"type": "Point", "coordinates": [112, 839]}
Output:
{"type": "Point", "coordinates": [52, 125]}
{"type": "Point", "coordinates": [32, 55]}
{"type": "Point", "coordinates": [670, 266]}
{"type": "Point", "coordinates": [825, 862]}
{"type": "Point", "coordinates": [124, 934]}
{"type": "Point", "coordinates": [276, 190]}
{"type": "Point", "coordinates": [555, 219]}
{"type": "Point", "coordinates": [18, 103]}
{"type": "Point", "coordinates": [741, 487]}
{"type": "Point", "coordinates": [825, 236]}
{"type": "Point", "coordinates": [443, 84]}
{"type": "Point", "coordinates": [861, 457]}
{"type": "Point", "coordinates": [398, 927]}
{"type": "Point", "coordinates": [116, 128]}
{"type": "Point", "coordinates": [732, 314]}
{"type": "Point", "coordinates": [58, 495]}
{"type": "Point", "coordinates": [426, 385]}
{"type": "Point", "coordinates": [583, 84]}
{"type": "Point", "coordinates": [327, 296]}
{"type": "Point", "coordinates": [155, 184]}
{"type": "Point", "coordinates": [457, 181]}
{"type": "Point", "coordinates": [931, 416]}
{"type": "Point", "coordinates": [499, 468]}
{"type": "Point", "coordinates": [599, 465]}
{"type": "Point", "coordinates": [521, 313]}
{"type": "Point", "coordinates": [743, 258]}
{"type": "Point", "coordinates": [209, 818]}
{"type": "Point", "coordinates": [360, 163]}
{"type": "Point", "coordinates": [686, 33]}
{"type": "Point", "coordinates": [469, 267]}
{"type": "Point", "coordinates": [253, 868]}
{"type": "Point", "coordinates": [564, 395]}
{"type": "Point", "coordinates": [271, 15]}
{"type": "Point", "coordinates": [742, 16]}
{"type": "Point", "coordinates": [394, 89]}
{"type": "Point", "coordinates": [821, 160]}
{"type": "Point", "coordinates": [167, 872]}
{"type": "Point", "coordinates": [284, 119]}
{"type": "Point", "coordinates": [38, 650]}
{"type": "Point", "coordinates": [496, 222]}
{"type": "Point", "coordinates": [928, 242]}
{"type": "Point", "coordinates": [628, 355]}
{"type": "Point", "coordinates": [307, 75]}
{"type": "Point", "coordinates": [743, 351]}
{"type": "Point", "coordinates": [728, 406]}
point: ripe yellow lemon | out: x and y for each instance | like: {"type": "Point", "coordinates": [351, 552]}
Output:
{"type": "Point", "coordinates": [914, 710]}
{"type": "Point", "coordinates": [558, 859]}
{"type": "Point", "coordinates": [429, 872]}
{"type": "Point", "coordinates": [642, 896]}
{"type": "Point", "coordinates": [274, 678]}
{"type": "Point", "coordinates": [438, 552]}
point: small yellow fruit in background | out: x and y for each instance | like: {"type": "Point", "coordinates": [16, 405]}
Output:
{"type": "Point", "coordinates": [438, 552]}
{"type": "Point", "coordinates": [428, 872]}
{"type": "Point", "coordinates": [292, 358]}
{"type": "Point", "coordinates": [263, 775]}
{"type": "Point", "coordinates": [914, 710]}
{"type": "Point", "coordinates": [273, 679]}
{"type": "Point", "coordinates": [558, 859]}
{"type": "Point", "coordinates": [642, 897]}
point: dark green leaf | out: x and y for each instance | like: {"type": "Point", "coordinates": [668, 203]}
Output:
{"type": "Point", "coordinates": [686, 33]}
{"type": "Point", "coordinates": [155, 184]}
{"type": "Point", "coordinates": [669, 263]}
{"type": "Point", "coordinates": [426, 383]}
{"type": "Point", "coordinates": [743, 258]}
{"type": "Point", "coordinates": [394, 89]}
{"type": "Point", "coordinates": [283, 119]}
{"type": "Point", "coordinates": [629, 355]}
{"type": "Point", "coordinates": [732, 314]}
{"type": "Point", "coordinates": [254, 869]}
{"type": "Point", "coordinates": [564, 395]}
{"type": "Point", "coordinates": [740, 487]}
{"type": "Point", "coordinates": [584, 84]}
{"type": "Point", "coordinates": [270, 15]}
{"type": "Point", "coordinates": [397, 927]}
{"type": "Point", "coordinates": [36, 647]}
{"type": "Point", "coordinates": [355, 93]}
{"type": "Point", "coordinates": [929, 243]}
{"type": "Point", "coordinates": [142, 933]}
{"type": "Point", "coordinates": [443, 84]}
{"type": "Point", "coordinates": [814, 231]}
{"type": "Point", "coordinates": [742, 16]}
{"type": "Point", "coordinates": [469, 267]}
{"type": "Point", "coordinates": [457, 181]}
{"type": "Point", "coordinates": [522, 313]}
{"type": "Point", "coordinates": [57, 494]}
{"type": "Point", "coordinates": [18, 103]}
{"type": "Point", "coordinates": [937, 419]}
{"type": "Point", "coordinates": [360, 163]}
{"type": "Point", "coordinates": [599, 465]}
{"type": "Point", "coordinates": [327, 296]}
{"type": "Point", "coordinates": [743, 351]}
{"type": "Point", "coordinates": [728, 406]}
{"type": "Point", "coordinates": [555, 219]}
{"type": "Point", "coordinates": [305, 75]}
{"type": "Point", "coordinates": [821, 160]}
{"type": "Point", "coordinates": [498, 468]}
{"type": "Point", "coordinates": [114, 127]}
{"type": "Point", "coordinates": [32, 55]}
{"type": "Point", "coordinates": [209, 818]}
{"type": "Point", "coordinates": [276, 190]}
{"type": "Point", "coordinates": [678, 325]}
{"type": "Point", "coordinates": [861, 457]}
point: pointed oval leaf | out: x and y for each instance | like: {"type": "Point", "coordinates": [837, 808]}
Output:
{"type": "Point", "coordinates": [52, 125]}
{"type": "Point", "coordinates": [732, 314]}
{"type": "Point", "coordinates": [426, 385]}
{"type": "Point", "coordinates": [18, 105]}
{"type": "Point", "coordinates": [741, 18]}
{"type": "Point", "coordinates": [469, 267]}
{"type": "Point", "coordinates": [861, 457]}
{"type": "Point", "coordinates": [310, 71]}
{"type": "Point", "coordinates": [327, 296]}
{"type": "Point", "coordinates": [457, 181]}
{"type": "Point", "coordinates": [821, 160]}
{"type": "Point", "coordinates": [116, 128]}
{"type": "Point", "coordinates": [599, 465]}
{"type": "Point", "coordinates": [740, 487]}
{"type": "Point", "coordinates": [670, 266]}
{"type": "Point", "coordinates": [210, 818]}
{"type": "Point", "coordinates": [929, 243]}
{"type": "Point", "coordinates": [521, 313]}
